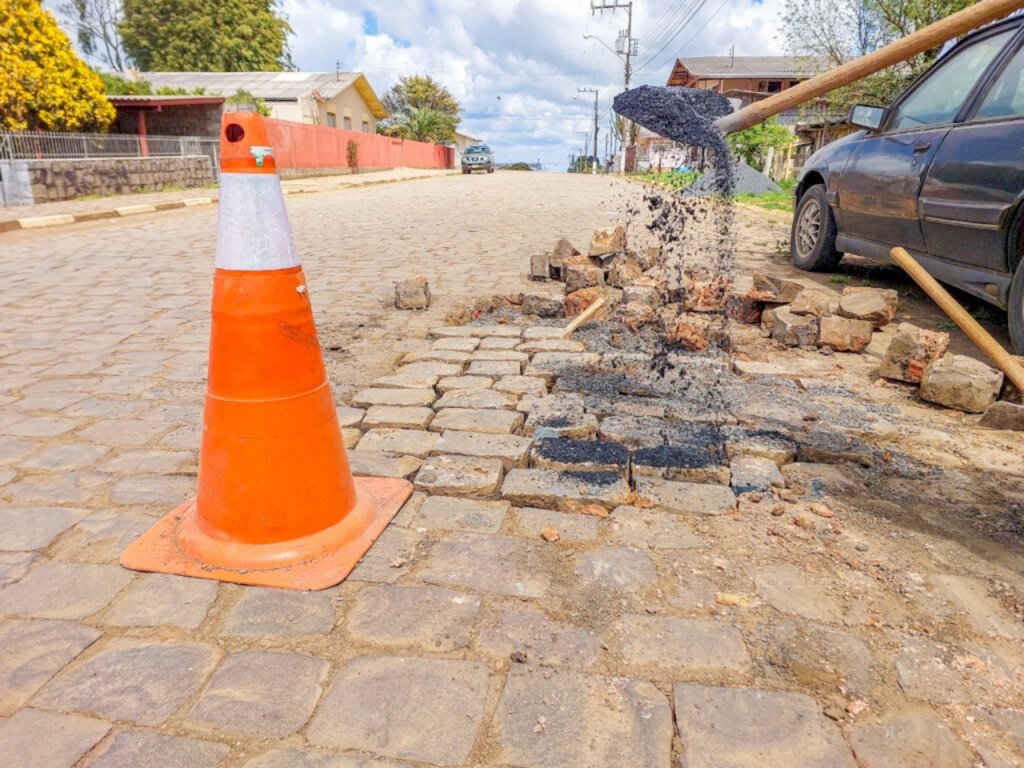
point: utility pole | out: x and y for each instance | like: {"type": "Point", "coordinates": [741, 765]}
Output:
{"type": "Point", "coordinates": [626, 46]}
{"type": "Point", "coordinates": [593, 91]}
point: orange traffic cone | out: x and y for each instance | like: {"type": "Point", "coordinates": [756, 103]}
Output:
{"type": "Point", "coordinates": [277, 505]}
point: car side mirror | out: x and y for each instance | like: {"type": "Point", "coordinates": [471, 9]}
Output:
{"type": "Point", "coordinates": [866, 116]}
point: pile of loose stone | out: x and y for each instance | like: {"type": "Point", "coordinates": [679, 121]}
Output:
{"type": "Point", "coordinates": [797, 316]}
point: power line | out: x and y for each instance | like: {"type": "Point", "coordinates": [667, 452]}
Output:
{"type": "Point", "coordinates": [700, 5]}
{"type": "Point", "coordinates": [696, 33]}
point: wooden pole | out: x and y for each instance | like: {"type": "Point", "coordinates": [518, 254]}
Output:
{"type": "Point", "coordinates": [585, 315]}
{"type": "Point", "coordinates": [933, 35]}
{"type": "Point", "coordinates": [982, 338]}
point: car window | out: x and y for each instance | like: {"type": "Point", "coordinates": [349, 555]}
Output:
{"type": "Point", "coordinates": [939, 97]}
{"type": "Point", "coordinates": [1006, 96]}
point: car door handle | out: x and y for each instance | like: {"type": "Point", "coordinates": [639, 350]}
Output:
{"type": "Point", "coordinates": [921, 148]}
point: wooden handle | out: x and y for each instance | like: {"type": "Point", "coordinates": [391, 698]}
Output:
{"type": "Point", "coordinates": [983, 339]}
{"type": "Point", "coordinates": [585, 315]}
{"type": "Point", "coordinates": [917, 42]}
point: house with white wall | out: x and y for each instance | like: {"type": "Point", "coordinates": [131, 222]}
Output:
{"type": "Point", "coordinates": [335, 99]}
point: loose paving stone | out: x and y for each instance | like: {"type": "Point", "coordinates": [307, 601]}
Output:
{"type": "Point", "coordinates": [571, 720]}
{"type": "Point", "coordinates": [984, 613]}
{"type": "Point", "coordinates": [456, 345]}
{"type": "Point", "coordinates": [687, 498]}
{"type": "Point", "coordinates": [423, 709]}
{"type": "Point", "coordinates": [460, 476]}
{"type": "Point", "coordinates": [377, 464]}
{"type": "Point", "coordinates": [450, 513]}
{"type": "Point", "coordinates": [436, 356]}
{"type": "Point", "coordinates": [389, 556]}
{"type": "Point", "coordinates": [136, 749]}
{"type": "Point", "coordinates": [633, 431]}
{"type": "Point", "coordinates": [316, 758]}
{"type": "Point", "coordinates": [138, 681]}
{"type": "Point", "coordinates": [28, 528]}
{"type": "Point", "coordinates": [761, 443]}
{"type": "Point", "coordinates": [160, 600]}
{"type": "Point", "coordinates": [821, 658]}
{"type": "Point", "coordinates": [475, 398]}
{"type": "Point", "coordinates": [553, 489]}
{"type": "Point", "coordinates": [134, 461]}
{"type": "Point", "coordinates": [449, 383]}
{"type": "Point", "coordinates": [571, 527]}
{"type": "Point", "coordinates": [441, 370]}
{"type": "Point", "coordinates": [489, 420]}
{"type": "Point", "coordinates": [754, 474]}
{"type": "Point", "coordinates": [163, 490]}
{"type": "Point", "coordinates": [511, 450]}
{"type": "Point", "coordinates": [750, 728]}
{"type": "Point", "coordinates": [268, 694]}
{"type": "Point", "coordinates": [407, 442]}
{"type": "Point", "coordinates": [276, 612]}
{"type": "Point", "coordinates": [789, 589]}
{"type": "Point", "coordinates": [498, 342]}
{"type": "Point", "coordinates": [57, 590]}
{"type": "Point", "coordinates": [495, 368]}
{"type": "Point", "coordinates": [579, 455]}
{"type": "Point", "coordinates": [66, 456]}
{"type": "Point", "coordinates": [684, 646]}
{"type": "Point", "coordinates": [397, 417]}
{"type": "Point", "coordinates": [558, 361]}
{"type": "Point", "coordinates": [349, 417]}
{"type": "Point", "coordinates": [33, 651]}
{"type": "Point", "coordinates": [552, 345]}
{"type": "Point", "coordinates": [40, 426]}
{"type": "Point", "coordinates": [618, 568]}
{"type": "Point", "coordinates": [102, 536]}
{"type": "Point", "coordinates": [522, 385]}
{"type": "Point", "coordinates": [650, 529]}
{"type": "Point", "coordinates": [37, 739]}
{"type": "Point", "coordinates": [15, 566]}
{"type": "Point", "coordinates": [416, 617]}
{"type": "Point", "coordinates": [580, 426]}
{"type": "Point", "coordinates": [910, 738]}
{"type": "Point", "coordinates": [511, 628]}
{"type": "Point", "coordinates": [462, 331]}
{"type": "Point", "coordinates": [500, 355]}
{"type": "Point", "coordinates": [350, 437]}
{"type": "Point", "coordinates": [379, 396]}
{"type": "Point", "coordinates": [543, 332]}
{"type": "Point", "coordinates": [406, 381]}
{"type": "Point", "coordinates": [133, 432]}
{"type": "Point", "coordinates": [501, 565]}
{"type": "Point", "coordinates": [684, 464]}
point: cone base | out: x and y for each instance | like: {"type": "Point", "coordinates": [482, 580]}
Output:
{"type": "Point", "coordinates": [158, 550]}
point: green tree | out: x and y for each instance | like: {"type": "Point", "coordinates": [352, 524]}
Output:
{"type": "Point", "coordinates": [421, 92]}
{"type": "Point", "coordinates": [43, 83]}
{"type": "Point", "coordinates": [426, 124]}
{"type": "Point", "coordinates": [752, 145]}
{"type": "Point", "coordinates": [835, 31]}
{"type": "Point", "coordinates": [205, 35]}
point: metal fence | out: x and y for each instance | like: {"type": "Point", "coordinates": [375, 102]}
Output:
{"type": "Point", "coordinates": [45, 145]}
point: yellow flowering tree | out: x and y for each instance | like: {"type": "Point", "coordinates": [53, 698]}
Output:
{"type": "Point", "coordinates": [43, 84]}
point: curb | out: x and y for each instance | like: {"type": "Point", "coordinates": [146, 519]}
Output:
{"type": "Point", "coordinates": [38, 222]}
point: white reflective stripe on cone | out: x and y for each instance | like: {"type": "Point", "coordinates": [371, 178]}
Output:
{"type": "Point", "coordinates": [253, 230]}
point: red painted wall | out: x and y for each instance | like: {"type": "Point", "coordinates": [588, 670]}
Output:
{"type": "Point", "coordinates": [300, 145]}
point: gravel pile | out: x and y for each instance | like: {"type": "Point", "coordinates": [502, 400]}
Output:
{"type": "Point", "coordinates": [745, 181]}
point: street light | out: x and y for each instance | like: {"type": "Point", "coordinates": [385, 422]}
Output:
{"type": "Point", "coordinates": [602, 42]}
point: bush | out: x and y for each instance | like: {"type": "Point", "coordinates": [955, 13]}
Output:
{"type": "Point", "coordinates": [752, 145]}
{"type": "Point", "coordinates": [352, 150]}
{"type": "Point", "coordinates": [518, 167]}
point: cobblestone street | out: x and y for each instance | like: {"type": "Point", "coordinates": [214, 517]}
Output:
{"type": "Point", "coordinates": [530, 605]}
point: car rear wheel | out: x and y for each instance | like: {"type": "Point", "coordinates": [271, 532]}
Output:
{"type": "Point", "coordinates": [812, 243]}
{"type": "Point", "coordinates": [1015, 311]}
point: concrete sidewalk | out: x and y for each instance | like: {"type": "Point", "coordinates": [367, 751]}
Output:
{"type": "Point", "coordinates": [113, 206]}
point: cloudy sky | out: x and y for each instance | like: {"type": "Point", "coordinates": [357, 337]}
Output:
{"type": "Point", "coordinates": [516, 65]}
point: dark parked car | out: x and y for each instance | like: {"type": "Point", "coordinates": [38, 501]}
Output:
{"type": "Point", "coordinates": [939, 172]}
{"type": "Point", "coordinates": [478, 158]}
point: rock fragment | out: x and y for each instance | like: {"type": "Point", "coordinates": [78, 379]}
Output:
{"type": "Point", "coordinates": [960, 382]}
{"type": "Point", "coordinates": [608, 240]}
{"type": "Point", "coordinates": [1003, 415]}
{"type": "Point", "coordinates": [876, 305]}
{"type": "Point", "coordinates": [412, 293]}
{"type": "Point", "coordinates": [843, 334]}
{"type": "Point", "coordinates": [911, 351]}
{"type": "Point", "coordinates": [792, 330]}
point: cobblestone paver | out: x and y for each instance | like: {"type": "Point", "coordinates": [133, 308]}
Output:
{"type": "Point", "coordinates": [556, 593]}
